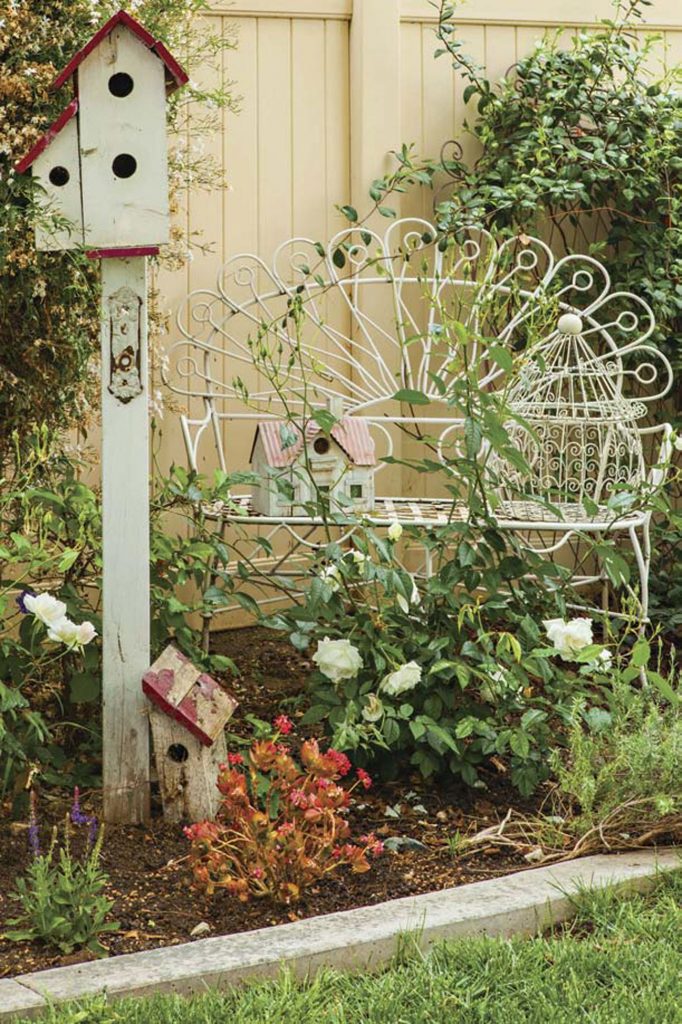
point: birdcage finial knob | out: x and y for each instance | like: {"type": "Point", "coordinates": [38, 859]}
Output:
{"type": "Point", "coordinates": [570, 323]}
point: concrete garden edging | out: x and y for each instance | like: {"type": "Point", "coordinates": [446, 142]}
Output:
{"type": "Point", "coordinates": [523, 903]}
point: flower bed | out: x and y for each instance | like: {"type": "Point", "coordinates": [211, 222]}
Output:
{"type": "Point", "coordinates": [149, 867]}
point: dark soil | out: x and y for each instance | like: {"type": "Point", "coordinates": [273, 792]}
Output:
{"type": "Point", "coordinates": [148, 868]}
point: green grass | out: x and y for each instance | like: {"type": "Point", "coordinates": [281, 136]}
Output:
{"type": "Point", "coordinates": [620, 962]}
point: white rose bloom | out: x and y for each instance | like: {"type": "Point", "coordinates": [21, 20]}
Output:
{"type": "Point", "coordinates": [373, 709]}
{"type": "Point", "coordinates": [403, 679]}
{"type": "Point", "coordinates": [395, 531]}
{"type": "Point", "coordinates": [358, 556]}
{"type": "Point", "coordinates": [64, 632]}
{"type": "Point", "coordinates": [85, 633]}
{"type": "Point", "coordinates": [337, 659]}
{"type": "Point", "coordinates": [72, 635]}
{"type": "Point", "coordinates": [331, 576]}
{"type": "Point", "coordinates": [45, 607]}
{"type": "Point", "coordinates": [678, 443]}
{"type": "Point", "coordinates": [569, 637]}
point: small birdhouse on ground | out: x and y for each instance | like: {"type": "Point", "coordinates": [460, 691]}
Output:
{"type": "Point", "coordinates": [340, 464]}
{"type": "Point", "coordinates": [188, 714]}
{"type": "Point", "coordinates": [103, 164]}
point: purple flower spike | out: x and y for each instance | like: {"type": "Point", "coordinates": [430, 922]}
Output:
{"type": "Point", "coordinates": [20, 601]}
{"type": "Point", "coordinates": [77, 815]}
{"type": "Point", "coordinates": [33, 828]}
{"type": "Point", "coordinates": [92, 831]}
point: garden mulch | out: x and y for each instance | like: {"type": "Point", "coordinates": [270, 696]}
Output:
{"type": "Point", "coordinates": [148, 867]}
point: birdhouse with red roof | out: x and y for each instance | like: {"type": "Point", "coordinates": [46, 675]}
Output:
{"type": "Point", "coordinates": [296, 463]}
{"type": "Point", "coordinates": [103, 164]}
{"type": "Point", "coordinates": [188, 712]}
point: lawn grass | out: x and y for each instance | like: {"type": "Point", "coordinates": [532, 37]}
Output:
{"type": "Point", "coordinates": [619, 962]}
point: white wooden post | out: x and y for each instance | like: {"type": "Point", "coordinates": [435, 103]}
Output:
{"type": "Point", "coordinates": [125, 497]}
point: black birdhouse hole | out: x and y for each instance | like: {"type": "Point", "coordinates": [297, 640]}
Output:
{"type": "Point", "coordinates": [121, 84]}
{"type": "Point", "coordinates": [124, 165]}
{"type": "Point", "coordinates": [178, 753]}
{"type": "Point", "coordinates": [321, 445]}
{"type": "Point", "coordinates": [59, 176]}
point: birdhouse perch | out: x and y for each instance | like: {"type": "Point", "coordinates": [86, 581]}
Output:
{"type": "Point", "coordinates": [188, 714]}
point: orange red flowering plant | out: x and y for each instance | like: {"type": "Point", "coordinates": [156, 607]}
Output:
{"type": "Point", "coordinates": [281, 824]}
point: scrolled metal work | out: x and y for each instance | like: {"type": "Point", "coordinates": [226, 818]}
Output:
{"type": "Point", "coordinates": [376, 316]}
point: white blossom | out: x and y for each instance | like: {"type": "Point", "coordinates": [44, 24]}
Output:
{"type": "Point", "coordinates": [331, 575]}
{"type": "Point", "coordinates": [373, 709]}
{"type": "Point", "coordinates": [395, 531]}
{"type": "Point", "coordinates": [569, 638]}
{"type": "Point", "coordinates": [337, 659]}
{"type": "Point", "coordinates": [402, 679]}
{"type": "Point", "coordinates": [46, 608]}
{"type": "Point", "coordinates": [72, 634]}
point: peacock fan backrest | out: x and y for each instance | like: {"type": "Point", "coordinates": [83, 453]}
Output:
{"type": "Point", "coordinates": [353, 323]}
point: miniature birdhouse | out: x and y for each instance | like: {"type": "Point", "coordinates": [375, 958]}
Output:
{"type": "Point", "coordinates": [188, 714]}
{"type": "Point", "coordinates": [103, 164]}
{"type": "Point", "coordinates": [310, 462]}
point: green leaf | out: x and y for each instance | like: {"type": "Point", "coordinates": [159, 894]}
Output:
{"type": "Point", "coordinates": [349, 212]}
{"type": "Point", "coordinates": [641, 653]}
{"type": "Point", "coordinates": [339, 258]}
{"type": "Point", "coordinates": [502, 356]}
{"type": "Point", "coordinates": [411, 397]}
{"type": "Point", "coordinates": [520, 744]}
{"type": "Point", "coordinates": [84, 688]}
{"type": "Point", "coordinates": [663, 687]}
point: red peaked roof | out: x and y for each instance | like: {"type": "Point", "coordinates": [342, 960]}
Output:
{"type": "Point", "coordinates": [350, 433]}
{"type": "Point", "coordinates": [175, 75]}
{"type": "Point", "coordinates": [45, 140]}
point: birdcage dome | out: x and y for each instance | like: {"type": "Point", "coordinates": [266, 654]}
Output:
{"type": "Point", "coordinates": [576, 429]}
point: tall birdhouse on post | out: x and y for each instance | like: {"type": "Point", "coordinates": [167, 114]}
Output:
{"type": "Point", "coordinates": [103, 166]}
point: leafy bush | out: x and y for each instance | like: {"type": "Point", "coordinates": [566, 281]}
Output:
{"type": "Point", "coordinates": [580, 142]}
{"type": "Point", "coordinates": [428, 674]}
{"type": "Point", "coordinates": [51, 528]}
{"type": "Point", "coordinates": [62, 894]}
{"type": "Point", "coordinates": [624, 768]}
{"type": "Point", "coordinates": [281, 825]}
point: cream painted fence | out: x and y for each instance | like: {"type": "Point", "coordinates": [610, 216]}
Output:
{"type": "Point", "coordinates": [329, 87]}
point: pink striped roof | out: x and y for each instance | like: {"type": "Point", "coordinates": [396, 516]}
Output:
{"type": "Point", "coordinates": [350, 433]}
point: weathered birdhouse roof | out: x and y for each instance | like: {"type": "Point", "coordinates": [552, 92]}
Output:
{"type": "Point", "coordinates": [175, 74]}
{"type": "Point", "coordinates": [44, 141]}
{"type": "Point", "coordinates": [175, 77]}
{"type": "Point", "coordinates": [188, 695]}
{"type": "Point", "coordinates": [350, 433]}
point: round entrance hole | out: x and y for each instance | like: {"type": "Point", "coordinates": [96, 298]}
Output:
{"type": "Point", "coordinates": [178, 753]}
{"type": "Point", "coordinates": [124, 165]}
{"type": "Point", "coordinates": [121, 84]}
{"type": "Point", "coordinates": [321, 445]}
{"type": "Point", "coordinates": [59, 176]}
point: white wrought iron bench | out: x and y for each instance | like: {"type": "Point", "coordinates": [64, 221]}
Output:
{"type": "Point", "coordinates": [374, 325]}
